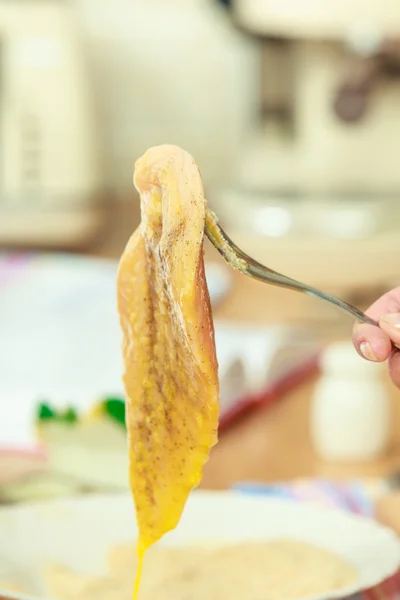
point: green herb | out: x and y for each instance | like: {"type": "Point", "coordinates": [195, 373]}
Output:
{"type": "Point", "coordinates": [44, 412]}
{"type": "Point", "coordinates": [115, 408]}
{"type": "Point", "coordinates": [69, 416]}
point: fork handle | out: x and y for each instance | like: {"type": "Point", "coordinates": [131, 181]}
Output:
{"type": "Point", "coordinates": [281, 280]}
{"type": "Point", "coordinates": [241, 261]}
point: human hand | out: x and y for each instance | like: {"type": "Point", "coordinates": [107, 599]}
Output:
{"type": "Point", "coordinates": [376, 343]}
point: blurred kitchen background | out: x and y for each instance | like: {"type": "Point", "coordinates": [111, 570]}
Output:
{"type": "Point", "coordinates": [292, 112]}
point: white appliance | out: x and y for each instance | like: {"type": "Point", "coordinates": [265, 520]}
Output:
{"type": "Point", "coordinates": [50, 172]}
{"type": "Point", "coordinates": [317, 182]}
{"type": "Point", "coordinates": [330, 96]}
{"type": "Point", "coordinates": [170, 70]}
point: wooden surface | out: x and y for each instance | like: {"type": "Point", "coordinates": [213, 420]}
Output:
{"type": "Point", "coordinates": [274, 444]}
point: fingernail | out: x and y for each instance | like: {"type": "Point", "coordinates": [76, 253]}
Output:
{"type": "Point", "coordinates": [367, 351]}
{"type": "Point", "coordinates": [392, 319]}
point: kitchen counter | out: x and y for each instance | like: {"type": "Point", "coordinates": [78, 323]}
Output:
{"type": "Point", "coordinates": [274, 444]}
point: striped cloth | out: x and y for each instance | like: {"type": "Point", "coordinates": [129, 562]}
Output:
{"type": "Point", "coordinates": [354, 496]}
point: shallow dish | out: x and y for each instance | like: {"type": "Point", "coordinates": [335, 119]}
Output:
{"type": "Point", "coordinates": [80, 532]}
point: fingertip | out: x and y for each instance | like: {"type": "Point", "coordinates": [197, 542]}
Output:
{"type": "Point", "coordinates": [371, 342]}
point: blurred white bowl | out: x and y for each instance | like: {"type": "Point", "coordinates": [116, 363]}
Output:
{"type": "Point", "coordinates": [32, 536]}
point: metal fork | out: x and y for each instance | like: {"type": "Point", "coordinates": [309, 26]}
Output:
{"type": "Point", "coordinates": [240, 261]}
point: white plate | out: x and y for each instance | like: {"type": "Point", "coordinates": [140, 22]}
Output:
{"type": "Point", "coordinates": [80, 532]}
